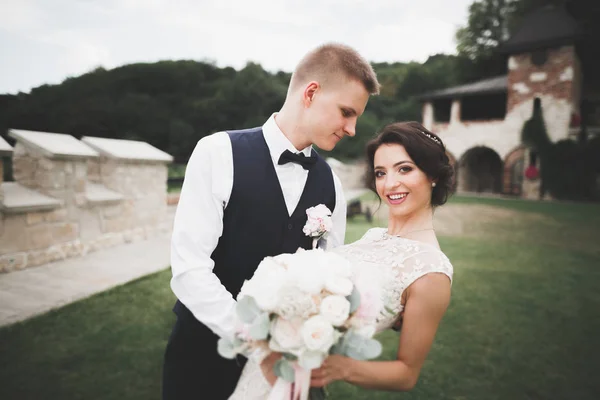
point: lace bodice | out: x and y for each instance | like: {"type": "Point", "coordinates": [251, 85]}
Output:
{"type": "Point", "coordinates": [396, 262]}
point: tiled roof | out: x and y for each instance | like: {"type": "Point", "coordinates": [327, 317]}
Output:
{"type": "Point", "coordinates": [498, 84]}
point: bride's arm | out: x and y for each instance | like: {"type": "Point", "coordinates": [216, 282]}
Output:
{"type": "Point", "coordinates": [427, 300]}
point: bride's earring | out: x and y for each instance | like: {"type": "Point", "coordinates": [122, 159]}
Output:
{"type": "Point", "coordinates": [432, 184]}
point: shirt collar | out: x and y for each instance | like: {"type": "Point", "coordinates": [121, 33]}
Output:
{"type": "Point", "coordinates": [277, 141]}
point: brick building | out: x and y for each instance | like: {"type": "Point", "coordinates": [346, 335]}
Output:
{"type": "Point", "coordinates": [481, 122]}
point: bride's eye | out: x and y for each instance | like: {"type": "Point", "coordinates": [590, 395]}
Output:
{"type": "Point", "coordinates": [405, 169]}
{"type": "Point", "coordinates": [379, 174]}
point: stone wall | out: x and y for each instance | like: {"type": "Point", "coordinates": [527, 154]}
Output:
{"type": "Point", "coordinates": [502, 136]}
{"type": "Point", "coordinates": [62, 207]}
{"type": "Point", "coordinates": [143, 184]}
{"type": "Point", "coordinates": [556, 82]}
{"type": "Point", "coordinates": [63, 179]}
{"type": "Point", "coordinates": [555, 76]}
{"type": "Point", "coordinates": [1, 180]}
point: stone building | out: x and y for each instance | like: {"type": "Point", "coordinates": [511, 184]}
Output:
{"type": "Point", "coordinates": [70, 197]}
{"type": "Point", "coordinates": [481, 122]}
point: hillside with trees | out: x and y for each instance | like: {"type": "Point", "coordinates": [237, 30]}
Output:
{"type": "Point", "coordinates": [172, 104]}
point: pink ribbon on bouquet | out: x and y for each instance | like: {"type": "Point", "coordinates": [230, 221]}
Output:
{"type": "Point", "coordinates": [284, 390]}
{"type": "Point", "coordinates": [301, 383]}
{"type": "Point", "coordinates": [315, 241]}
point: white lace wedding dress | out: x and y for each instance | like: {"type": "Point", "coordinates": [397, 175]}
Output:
{"type": "Point", "coordinates": [395, 261]}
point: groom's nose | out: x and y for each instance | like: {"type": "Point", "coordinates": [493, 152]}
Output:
{"type": "Point", "coordinates": [350, 128]}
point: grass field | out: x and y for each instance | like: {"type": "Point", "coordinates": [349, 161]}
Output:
{"type": "Point", "coordinates": [523, 323]}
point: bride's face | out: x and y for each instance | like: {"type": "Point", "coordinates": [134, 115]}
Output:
{"type": "Point", "coordinates": [399, 182]}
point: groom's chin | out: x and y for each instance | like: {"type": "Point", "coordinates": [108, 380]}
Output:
{"type": "Point", "coordinates": [326, 146]}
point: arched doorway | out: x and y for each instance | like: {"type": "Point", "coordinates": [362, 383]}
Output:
{"type": "Point", "coordinates": [480, 171]}
{"type": "Point", "coordinates": [514, 169]}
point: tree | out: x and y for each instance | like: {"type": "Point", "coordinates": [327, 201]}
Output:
{"type": "Point", "coordinates": [568, 168]}
{"type": "Point", "coordinates": [181, 139]}
{"type": "Point", "coordinates": [173, 104]}
{"type": "Point", "coordinates": [534, 133]}
{"type": "Point", "coordinates": [487, 27]}
{"type": "Point", "coordinates": [490, 23]}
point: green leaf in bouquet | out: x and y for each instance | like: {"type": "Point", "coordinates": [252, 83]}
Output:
{"type": "Point", "coordinates": [354, 299]}
{"type": "Point", "coordinates": [247, 309]}
{"type": "Point", "coordinates": [284, 370]}
{"type": "Point", "coordinates": [360, 347]}
{"type": "Point", "coordinates": [259, 330]}
{"type": "Point", "coordinates": [339, 348]}
{"type": "Point", "coordinates": [225, 348]}
{"type": "Point", "coordinates": [290, 356]}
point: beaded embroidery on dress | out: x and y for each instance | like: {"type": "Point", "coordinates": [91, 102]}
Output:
{"type": "Point", "coordinates": [396, 262]}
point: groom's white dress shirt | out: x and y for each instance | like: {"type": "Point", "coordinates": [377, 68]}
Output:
{"type": "Point", "coordinates": [198, 223]}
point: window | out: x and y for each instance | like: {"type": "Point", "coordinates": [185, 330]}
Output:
{"type": "Point", "coordinates": [483, 107]}
{"type": "Point", "coordinates": [539, 57]}
{"type": "Point", "coordinates": [441, 110]}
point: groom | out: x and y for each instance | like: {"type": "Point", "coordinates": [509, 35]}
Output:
{"type": "Point", "coordinates": [245, 197]}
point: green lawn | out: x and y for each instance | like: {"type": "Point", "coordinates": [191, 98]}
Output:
{"type": "Point", "coordinates": [523, 323]}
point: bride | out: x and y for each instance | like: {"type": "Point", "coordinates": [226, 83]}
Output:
{"type": "Point", "coordinates": [409, 170]}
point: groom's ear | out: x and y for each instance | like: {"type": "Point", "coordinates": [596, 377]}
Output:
{"type": "Point", "coordinates": [310, 91]}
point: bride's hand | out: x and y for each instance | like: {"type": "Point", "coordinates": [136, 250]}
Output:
{"type": "Point", "coordinates": [334, 368]}
{"type": "Point", "coordinates": [267, 367]}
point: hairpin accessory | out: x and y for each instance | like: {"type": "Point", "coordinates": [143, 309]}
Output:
{"type": "Point", "coordinates": [432, 137]}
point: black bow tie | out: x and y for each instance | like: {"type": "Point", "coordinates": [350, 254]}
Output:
{"type": "Point", "coordinates": [306, 162]}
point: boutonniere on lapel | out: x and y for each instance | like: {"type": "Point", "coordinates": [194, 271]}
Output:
{"type": "Point", "coordinates": [318, 224]}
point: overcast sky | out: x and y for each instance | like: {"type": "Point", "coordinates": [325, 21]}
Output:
{"type": "Point", "coordinates": [45, 41]}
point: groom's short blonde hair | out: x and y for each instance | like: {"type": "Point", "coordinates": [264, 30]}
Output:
{"type": "Point", "coordinates": [332, 61]}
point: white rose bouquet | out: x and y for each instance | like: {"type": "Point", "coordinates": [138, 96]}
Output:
{"type": "Point", "coordinates": [306, 306]}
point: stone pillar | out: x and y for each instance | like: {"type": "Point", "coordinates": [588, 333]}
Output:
{"type": "Point", "coordinates": [63, 179]}
{"type": "Point", "coordinates": [25, 165]}
{"type": "Point", "coordinates": [138, 171]}
{"type": "Point", "coordinates": [455, 112]}
{"type": "Point", "coordinates": [53, 164]}
{"type": "Point", "coordinates": [428, 115]}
